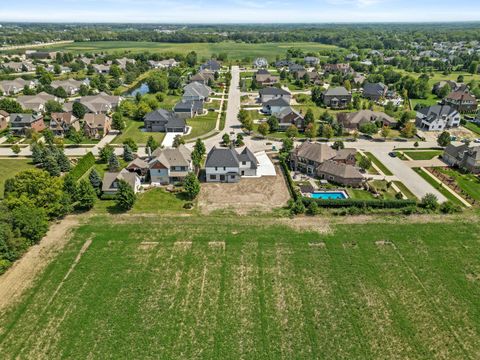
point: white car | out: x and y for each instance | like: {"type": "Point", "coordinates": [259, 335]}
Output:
{"type": "Point", "coordinates": [477, 141]}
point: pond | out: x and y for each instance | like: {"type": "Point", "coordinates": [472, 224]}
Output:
{"type": "Point", "coordinates": [142, 89]}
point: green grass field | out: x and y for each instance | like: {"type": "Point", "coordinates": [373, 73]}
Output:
{"type": "Point", "coordinates": [134, 130]}
{"type": "Point", "coordinates": [428, 178]}
{"type": "Point", "coordinates": [180, 286]}
{"type": "Point", "coordinates": [423, 155]}
{"type": "Point", "coordinates": [467, 182]}
{"type": "Point", "coordinates": [235, 51]}
{"type": "Point", "coordinates": [10, 167]}
{"type": "Point", "coordinates": [473, 127]}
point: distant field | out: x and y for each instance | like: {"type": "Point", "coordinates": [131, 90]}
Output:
{"type": "Point", "coordinates": [188, 287]}
{"type": "Point", "coordinates": [204, 50]}
{"type": "Point", "coordinates": [10, 167]}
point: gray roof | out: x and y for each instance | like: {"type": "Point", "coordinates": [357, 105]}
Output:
{"type": "Point", "coordinates": [219, 157]}
{"type": "Point", "coordinates": [23, 118]}
{"type": "Point", "coordinates": [277, 102]}
{"type": "Point", "coordinates": [212, 65]}
{"type": "Point", "coordinates": [375, 89]}
{"type": "Point", "coordinates": [271, 90]}
{"type": "Point", "coordinates": [196, 89]}
{"type": "Point", "coordinates": [435, 112]}
{"type": "Point", "coordinates": [247, 155]}
{"type": "Point", "coordinates": [337, 91]}
{"type": "Point", "coordinates": [189, 105]}
{"type": "Point", "coordinates": [110, 177]}
{"type": "Point", "coordinates": [341, 170]}
{"type": "Point", "coordinates": [315, 151]}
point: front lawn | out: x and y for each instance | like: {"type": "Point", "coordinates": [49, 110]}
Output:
{"type": "Point", "coordinates": [428, 178]}
{"type": "Point", "coordinates": [134, 130]}
{"type": "Point", "coordinates": [423, 155]}
{"type": "Point", "coordinates": [473, 127]}
{"type": "Point", "coordinates": [202, 125]}
{"type": "Point", "coordinates": [467, 182]}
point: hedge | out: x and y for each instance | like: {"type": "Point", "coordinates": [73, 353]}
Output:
{"type": "Point", "coordinates": [290, 184]}
{"type": "Point", "coordinates": [83, 165]}
{"type": "Point", "coordinates": [374, 204]}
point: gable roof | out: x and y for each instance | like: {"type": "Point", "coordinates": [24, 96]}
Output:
{"type": "Point", "coordinates": [196, 89]}
{"type": "Point", "coordinates": [375, 89]}
{"type": "Point", "coordinates": [358, 117]}
{"type": "Point", "coordinates": [248, 156]}
{"type": "Point", "coordinates": [435, 112]}
{"type": "Point", "coordinates": [315, 151]}
{"type": "Point", "coordinates": [24, 118]}
{"type": "Point", "coordinates": [337, 91]}
{"type": "Point", "coordinates": [271, 90]}
{"type": "Point", "coordinates": [220, 157]}
{"type": "Point", "coordinates": [169, 157]}
{"type": "Point", "coordinates": [110, 177]}
{"type": "Point", "coordinates": [277, 102]}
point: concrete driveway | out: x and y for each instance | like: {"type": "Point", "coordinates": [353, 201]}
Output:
{"type": "Point", "coordinates": [265, 165]}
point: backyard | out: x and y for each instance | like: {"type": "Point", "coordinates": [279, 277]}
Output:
{"type": "Point", "coordinates": [10, 167]}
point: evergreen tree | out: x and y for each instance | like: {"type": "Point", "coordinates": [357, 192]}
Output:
{"type": "Point", "coordinates": [95, 180]}
{"type": "Point", "coordinates": [113, 164]}
{"type": "Point", "coordinates": [125, 196]}
{"type": "Point", "coordinates": [63, 161]}
{"type": "Point", "coordinates": [127, 153]}
{"type": "Point", "coordinates": [51, 165]}
{"type": "Point", "coordinates": [152, 144]}
{"type": "Point", "coordinates": [85, 196]}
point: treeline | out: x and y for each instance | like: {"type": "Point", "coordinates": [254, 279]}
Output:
{"type": "Point", "coordinates": [376, 36]}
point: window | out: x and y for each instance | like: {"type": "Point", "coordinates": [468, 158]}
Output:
{"type": "Point", "coordinates": [213, 177]}
{"type": "Point", "coordinates": [232, 176]}
{"type": "Point", "coordinates": [244, 163]}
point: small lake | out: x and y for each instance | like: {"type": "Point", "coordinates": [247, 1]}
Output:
{"type": "Point", "coordinates": [142, 89]}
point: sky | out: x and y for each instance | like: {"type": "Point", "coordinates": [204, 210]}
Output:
{"type": "Point", "coordinates": [239, 11]}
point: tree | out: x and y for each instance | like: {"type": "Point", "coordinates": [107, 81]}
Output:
{"type": "Point", "coordinates": [191, 186]}
{"type": "Point", "coordinates": [291, 132]}
{"type": "Point", "coordinates": [327, 131]}
{"type": "Point", "coordinates": [157, 82]}
{"type": "Point", "coordinates": [52, 106]}
{"type": "Point", "coordinates": [365, 163]}
{"type": "Point", "coordinates": [310, 131]}
{"type": "Point", "coordinates": [309, 118]}
{"type": "Point", "coordinates": [31, 222]}
{"type": "Point", "coordinates": [16, 149]}
{"type": "Point", "coordinates": [200, 147]}
{"type": "Point", "coordinates": [113, 164]}
{"type": "Point", "coordinates": [95, 180]}
{"type": "Point", "coordinates": [117, 121]}
{"type": "Point", "coordinates": [178, 140]}
{"type": "Point", "coordinates": [10, 106]}
{"type": "Point", "coordinates": [444, 91]}
{"type": "Point", "coordinates": [385, 131]}
{"type": "Point", "coordinates": [473, 69]}
{"type": "Point", "coordinates": [263, 129]}
{"type": "Point", "coordinates": [444, 139]}
{"type": "Point", "coordinates": [429, 202]}
{"type": "Point", "coordinates": [248, 124]}
{"type": "Point", "coordinates": [51, 165]}
{"type": "Point", "coordinates": [37, 153]}
{"type": "Point", "coordinates": [78, 110]}
{"type": "Point", "coordinates": [37, 189]}
{"type": "Point", "coordinates": [416, 144]}
{"type": "Point", "coordinates": [63, 161]}
{"type": "Point", "coordinates": [287, 146]}
{"type": "Point", "coordinates": [191, 59]}
{"type": "Point", "coordinates": [152, 144]}
{"type": "Point", "coordinates": [226, 139]}
{"type": "Point", "coordinates": [312, 208]}
{"type": "Point", "coordinates": [127, 153]}
{"type": "Point", "coordinates": [368, 128]}
{"type": "Point", "coordinates": [273, 124]}
{"type": "Point", "coordinates": [338, 145]}
{"type": "Point", "coordinates": [125, 198]}
{"type": "Point", "coordinates": [409, 130]}
{"type": "Point", "coordinates": [239, 140]}
{"type": "Point", "coordinates": [131, 143]}
{"type": "Point", "coordinates": [106, 153]}
{"type": "Point", "coordinates": [86, 195]}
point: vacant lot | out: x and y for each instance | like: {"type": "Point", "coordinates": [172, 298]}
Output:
{"type": "Point", "coordinates": [10, 167]}
{"type": "Point", "coordinates": [235, 51]}
{"type": "Point", "coordinates": [190, 287]}
{"type": "Point", "coordinates": [265, 194]}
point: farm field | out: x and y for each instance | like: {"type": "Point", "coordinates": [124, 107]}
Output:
{"type": "Point", "coordinates": [10, 167]}
{"type": "Point", "coordinates": [235, 51]}
{"type": "Point", "coordinates": [188, 286]}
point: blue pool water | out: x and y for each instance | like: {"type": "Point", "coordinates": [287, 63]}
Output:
{"type": "Point", "coordinates": [332, 195]}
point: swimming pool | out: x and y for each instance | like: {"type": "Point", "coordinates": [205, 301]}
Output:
{"type": "Point", "coordinates": [329, 195]}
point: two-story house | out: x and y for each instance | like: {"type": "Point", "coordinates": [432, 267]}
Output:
{"type": "Point", "coordinates": [226, 165]}
{"type": "Point", "coordinates": [337, 98]}
{"type": "Point", "coordinates": [437, 118]}
{"type": "Point", "coordinates": [170, 165]}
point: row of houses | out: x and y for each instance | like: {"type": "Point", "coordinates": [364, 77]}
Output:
{"type": "Point", "coordinates": [171, 165]}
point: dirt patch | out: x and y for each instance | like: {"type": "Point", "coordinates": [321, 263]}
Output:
{"type": "Point", "coordinates": [320, 245]}
{"type": "Point", "coordinates": [217, 244]}
{"type": "Point", "coordinates": [146, 245]}
{"type": "Point", "coordinates": [262, 194]}
{"type": "Point", "coordinates": [182, 245]}
{"type": "Point", "coordinates": [308, 223]}
{"type": "Point", "coordinates": [383, 243]}
{"type": "Point", "coordinates": [21, 275]}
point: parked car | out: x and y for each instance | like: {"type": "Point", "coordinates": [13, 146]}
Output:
{"type": "Point", "coordinates": [392, 154]}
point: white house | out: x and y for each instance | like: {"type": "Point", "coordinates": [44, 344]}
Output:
{"type": "Point", "coordinates": [437, 118]}
{"type": "Point", "coordinates": [226, 165]}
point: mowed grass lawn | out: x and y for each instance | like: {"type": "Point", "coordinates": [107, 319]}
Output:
{"type": "Point", "coordinates": [10, 167]}
{"type": "Point", "coordinates": [423, 155]}
{"type": "Point", "coordinates": [134, 130]}
{"type": "Point", "coordinates": [188, 287]}
{"type": "Point", "coordinates": [235, 51]}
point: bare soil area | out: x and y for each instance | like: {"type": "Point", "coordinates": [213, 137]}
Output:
{"type": "Point", "coordinates": [264, 194]}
